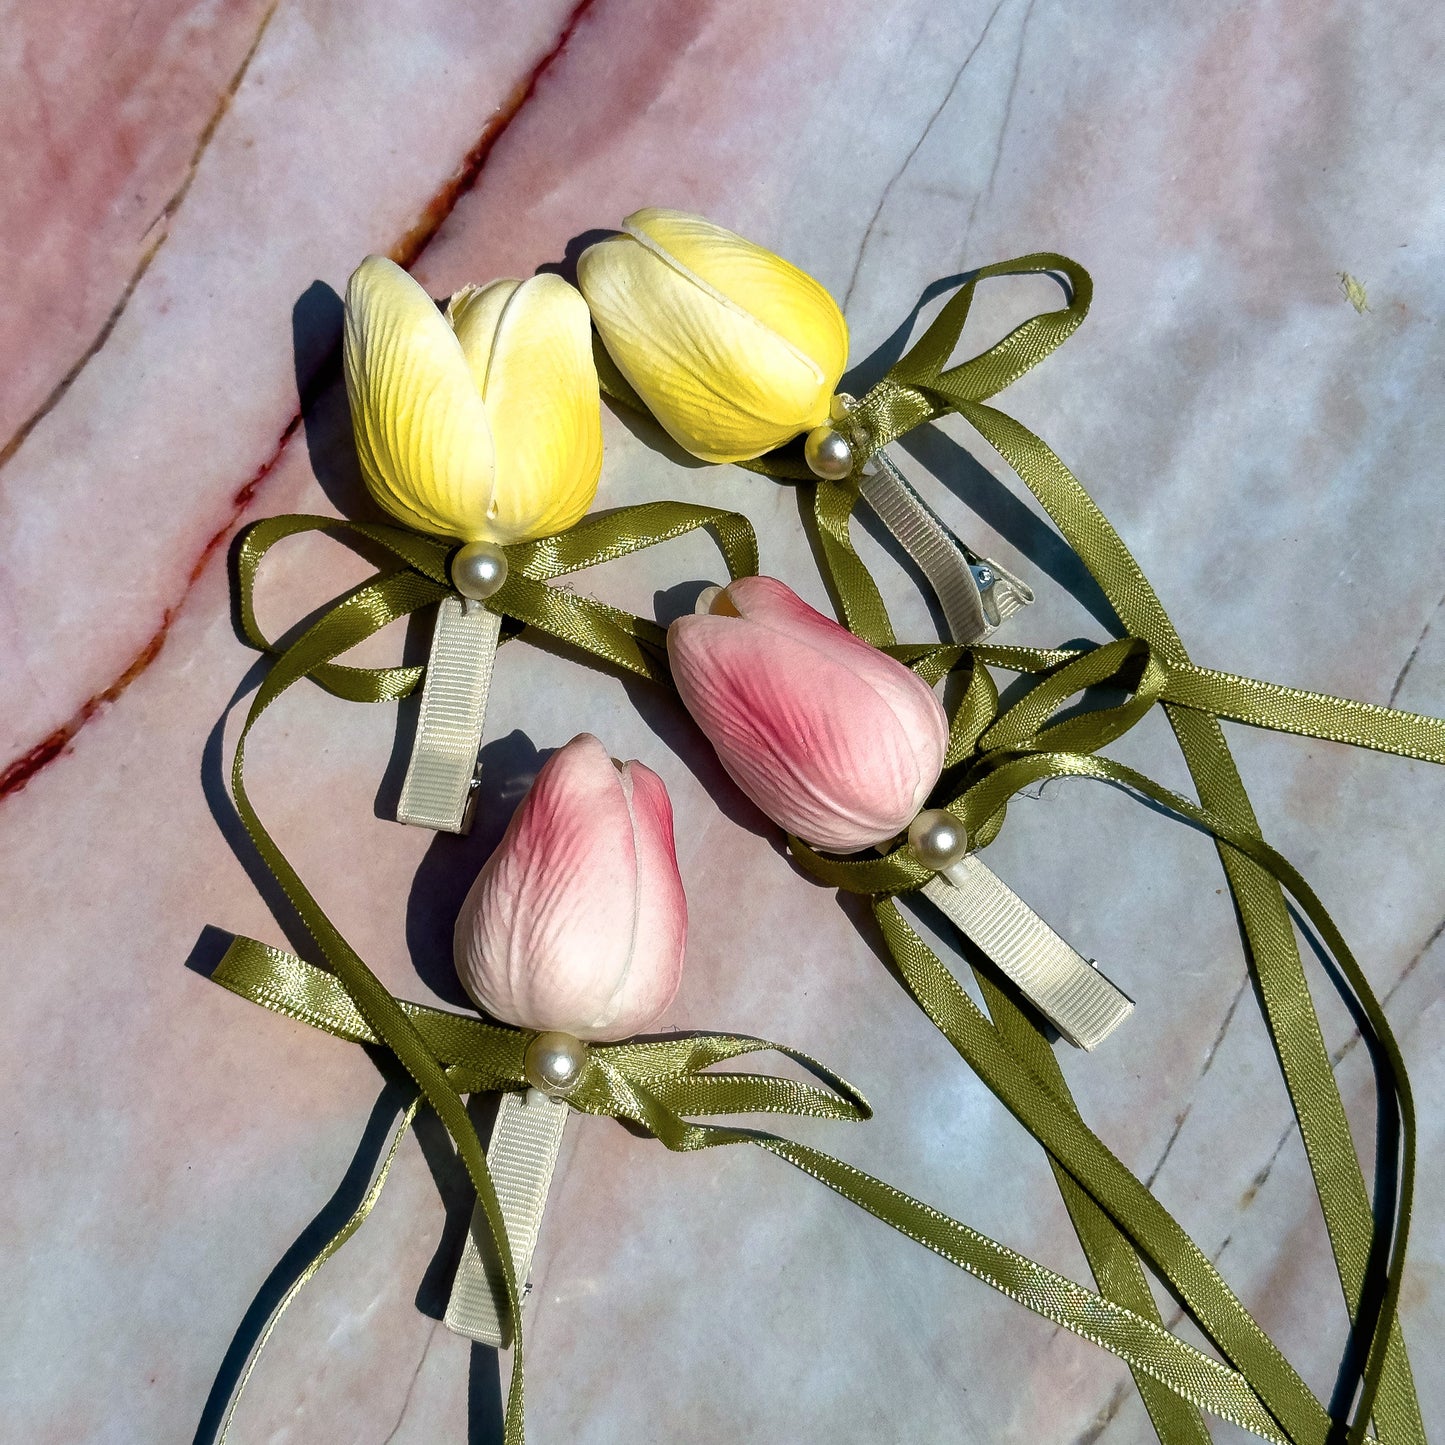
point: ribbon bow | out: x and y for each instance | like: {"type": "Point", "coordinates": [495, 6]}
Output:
{"type": "Point", "coordinates": [607, 633]}
{"type": "Point", "coordinates": [657, 1085]}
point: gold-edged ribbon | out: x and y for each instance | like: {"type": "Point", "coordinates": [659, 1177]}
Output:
{"type": "Point", "coordinates": [658, 1085]}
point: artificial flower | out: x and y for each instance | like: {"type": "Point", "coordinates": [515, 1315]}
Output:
{"type": "Point", "coordinates": [577, 922]}
{"type": "Point", "coordinates": [483, 424]}
{"type": "Point", "coordinates": [733, 349]}
{"type": "Point", "coordinates": [833, 739]}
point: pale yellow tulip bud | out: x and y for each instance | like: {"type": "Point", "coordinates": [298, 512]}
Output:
{"type": "Point", "coordinates": [483, 424]}
{"type": "Point", "coordinates": [733, 349]}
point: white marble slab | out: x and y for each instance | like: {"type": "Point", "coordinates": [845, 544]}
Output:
{"type": "Point", "coordinates": [1270, 453]}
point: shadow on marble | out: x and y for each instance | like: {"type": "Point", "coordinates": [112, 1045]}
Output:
{"type": "Point", "coordinates": [316, 324]}
{"type": "Point", "coordinates": [957, 469]}
{"type": "Point", "coordinates": [484, 1426]}
{"type": "Point", "coordinates": [214, 779]}
{"type": "Point", "coordinates": [451, 863]}
{"type": "Point", "coordinates": [679, 600]}
{"type": "Point", "coordinates": [566, 268]}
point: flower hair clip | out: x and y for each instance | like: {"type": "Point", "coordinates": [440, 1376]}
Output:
{"type": "Point", "coordinates": [572, 936]}
{"type": "Point", "coordinates": [738, 355]}
{"type": "Point", "coordinates": [479, 432]}
{"type": "Point", "coordinates": [842, 747]}
{"type": "Point", "coordinates": [475, 432]}
{"type": "Point", "coordinates": [683, 358]}
{"type": "Point", "coordinates": [575, 931]}
{"type": "Point", "coordinates": [481, 426]}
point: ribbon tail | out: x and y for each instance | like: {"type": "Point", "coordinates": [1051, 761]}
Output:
{"type": "Point", "coordinates": [332, 1245]}
{"type": "Point", "coordinates": [1145, 1346]}
{"type": "Point", "coordinates": [1148, 1225]}
{"type": "Point", "coordinates": [1307, 714]}
{"type": "Point", "coordinates": [1294, 1026]}
{"type": "Point", "coordinates": [1112, 1259]}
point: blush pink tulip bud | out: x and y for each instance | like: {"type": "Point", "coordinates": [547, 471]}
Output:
{"type": "Point", "coordinates": [577, 922]}
{"type": "Point", "coordinates": [831, 738]}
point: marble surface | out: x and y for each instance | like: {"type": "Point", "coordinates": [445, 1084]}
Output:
{"type": "Point", "coordinates": [187, 187]}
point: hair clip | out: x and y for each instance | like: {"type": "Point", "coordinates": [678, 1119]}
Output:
{"type": "Point", "coordinates": [737, 353]}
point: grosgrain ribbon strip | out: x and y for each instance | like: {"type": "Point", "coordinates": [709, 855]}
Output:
{"type": "Point", "coordinates": [523, 1157]}
{"type": "Point", "coordinates": [976, 595]}
{"type": "Point", "coordinates": [1068, 989]}
{"type": "Point", "coordinates": [439, 791]}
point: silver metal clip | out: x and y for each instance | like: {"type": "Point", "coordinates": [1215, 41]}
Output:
{"type": "Point", "coordinates": [976, 594]}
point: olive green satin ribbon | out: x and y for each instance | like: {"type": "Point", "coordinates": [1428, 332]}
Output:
{"type": "Point", "coordinates": [918, 389]}
{"type": "Point", "coordinates": [659, 1085]}
{"type": "Point", "coordinates": [446, 1054]}
{"type": "Point", "coordinates": [604, 632]}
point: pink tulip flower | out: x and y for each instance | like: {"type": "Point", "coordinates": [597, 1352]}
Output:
{"type": "Point", "coordinates": [831, 738]}
{"type": "Point", "coordinates": [577, 922]}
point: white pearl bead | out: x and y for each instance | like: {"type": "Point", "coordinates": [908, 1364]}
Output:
{"type": "Point", "coordinates": [554, 1063]}
{"type": "Point", "coordinates": [937, 838]}
{"type": "Point", "coordinates": [705, 600]}
{"type": "Point", "coordinates": [828, 454]}
{"type": "Point", "coordinates": [478, 570]}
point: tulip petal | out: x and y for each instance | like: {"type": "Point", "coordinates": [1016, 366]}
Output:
{"type": "Point", "coordinates": [781, 296]}
{"type": "Point", "coordinates": [541, 394]}
{"type": "Point", "coordinates": [421, 429]}
{"type": "Point", "coordinates": [474, 313]}
{"type": "Point", "coordinates": [660, 932]}
{"type": "Point", "coordinates": [577, 921]}
{"type": "Point", "coordinates": [724, 385]}
{"type": "Point", "coordinates": [831, 738]}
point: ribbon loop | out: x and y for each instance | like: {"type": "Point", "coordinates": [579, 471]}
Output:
{"type": "Point", "coordinates": [606, 633]}
{"type": "Point", "coordinates": [917, 389]}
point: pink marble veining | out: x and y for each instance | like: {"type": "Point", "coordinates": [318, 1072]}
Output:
{"type": "Point", "coordinates": [108, 112]}
{"type": "Point", "coordinates": [1269, 453]}
{"type": "Point", "coordinates": [335, 144]}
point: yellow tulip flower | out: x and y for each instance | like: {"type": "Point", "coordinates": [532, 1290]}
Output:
{"type": "Point", "coordinates": [734, 350]}
{"type": "Point", "coordinates": [483, 424]}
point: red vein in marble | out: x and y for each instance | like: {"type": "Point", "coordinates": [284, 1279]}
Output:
{"type": "Point", "coordinates": [20, 770]}
{"type": "Point", "coordinates": [162, 219]}
{"type": "Point", "coordinates": [406, 251]}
